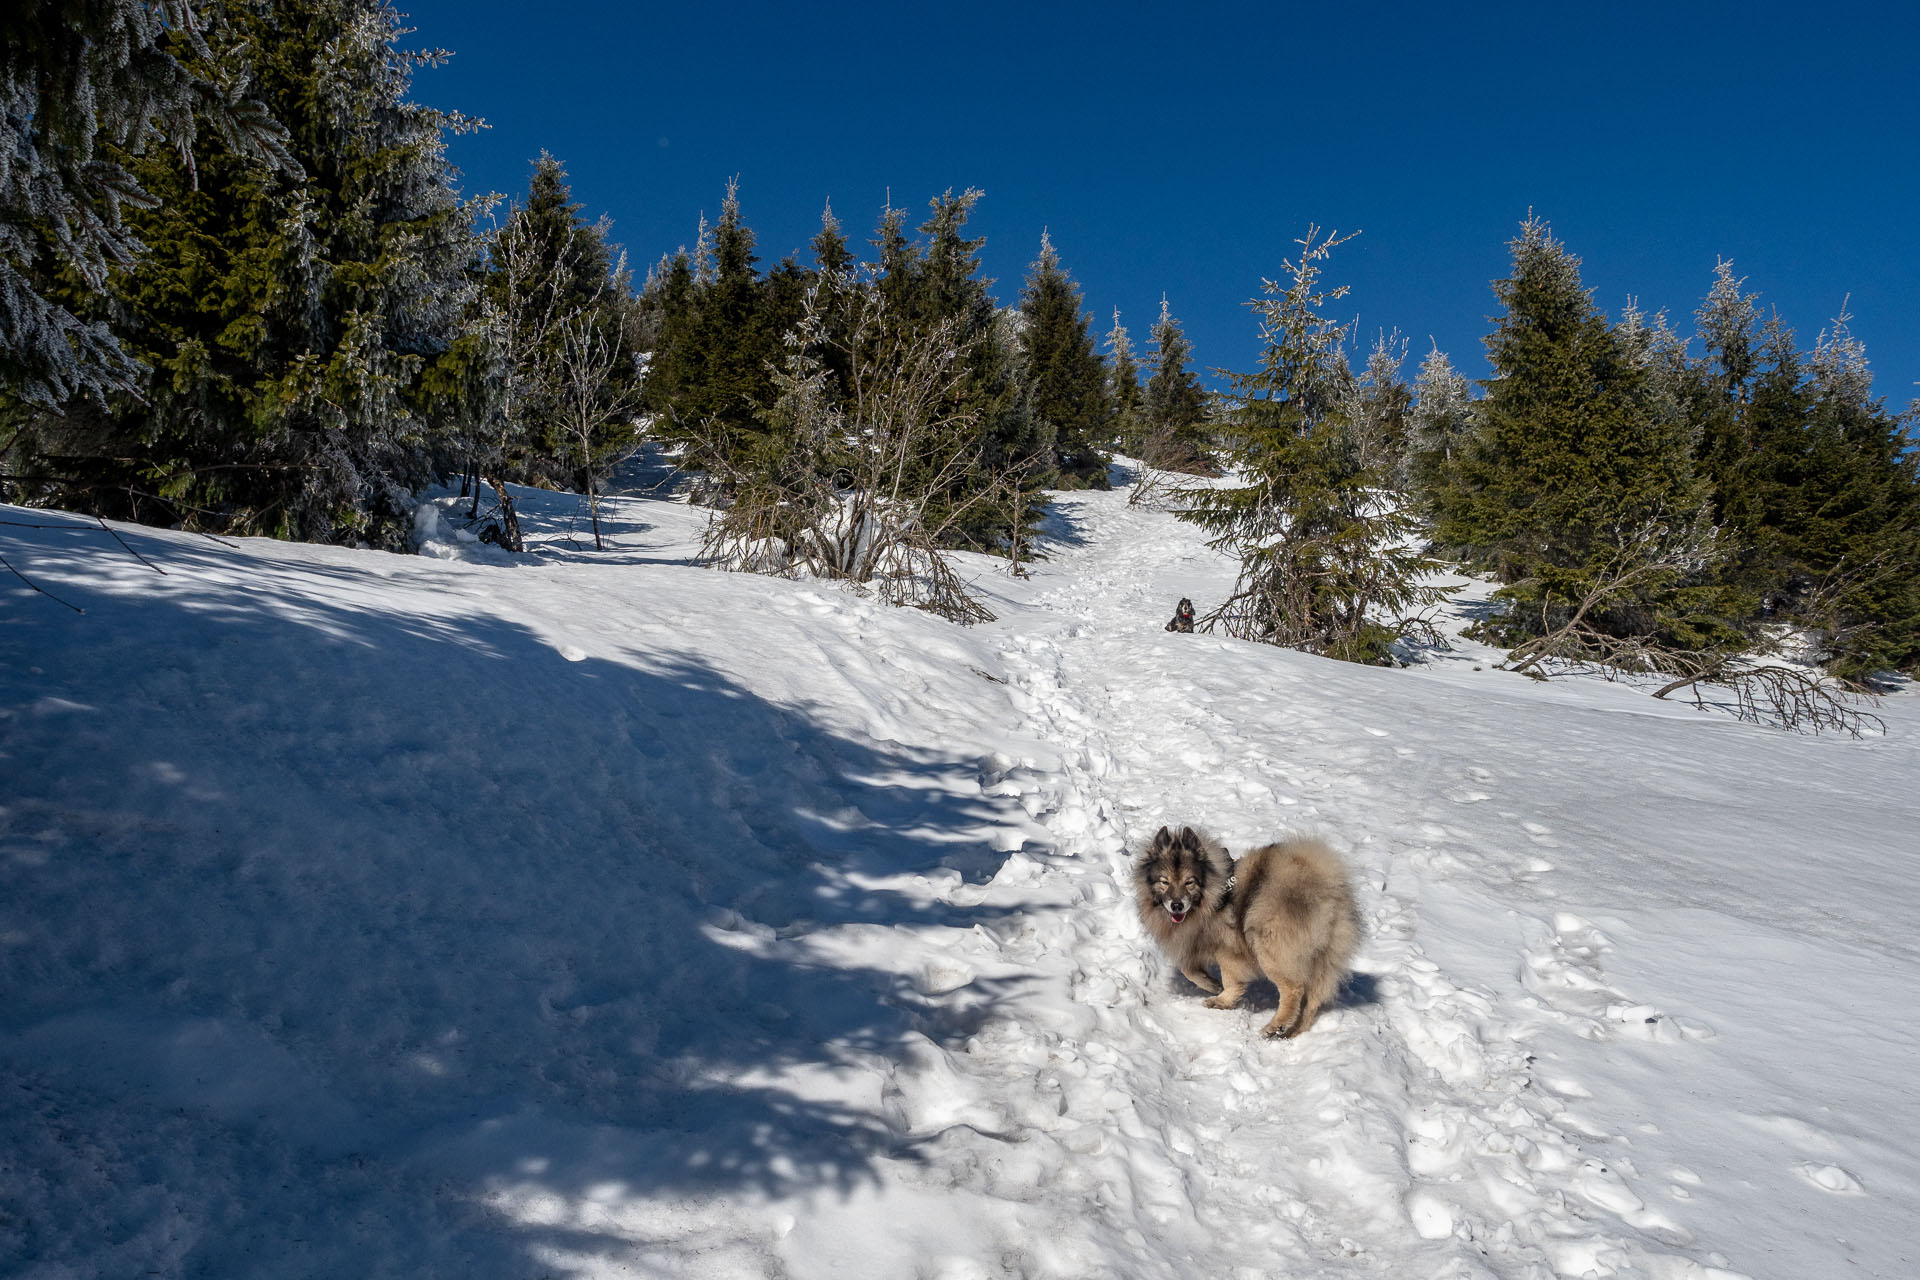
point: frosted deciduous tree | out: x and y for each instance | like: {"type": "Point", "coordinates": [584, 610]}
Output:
{"type": "Point", "coordinates": [596, 401]}
{"type": "Point", "coordinates": [863, 490]}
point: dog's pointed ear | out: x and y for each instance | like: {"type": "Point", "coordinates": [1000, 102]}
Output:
{"type": "Point", "coordinates": [1161, 839]}
{"type": "Point", "coordinates": [1189, 837]}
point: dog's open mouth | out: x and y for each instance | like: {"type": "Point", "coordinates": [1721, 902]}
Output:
{"type": "Point", "coordinates": [1178, 916]}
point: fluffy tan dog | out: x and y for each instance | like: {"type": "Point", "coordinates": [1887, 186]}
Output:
{"type": "Point", "coordinates": [1284, 910]}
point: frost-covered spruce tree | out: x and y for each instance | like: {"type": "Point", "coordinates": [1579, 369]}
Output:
{"type": "Point", "coordinates": [1438, 425]}
{"type": "Point", "coordinates": [1064, 375]}
{"type": "Point", "coordinates": [1323, 536]}
{"type": "Point", "coordinates": [1728, 324]}
{"type": "Point", "coordinates": [1814, 482]}
{"type": "Point", "coordinates": [82, 86]}
{"type": "Point", "coordinates": [1173, 405]}
{"type": "Point", "coordinates": [833, 257]}
{"type": "Point", "coordinates": [304, 331]}
{"type": "Point", "coordinates": [1123, 386]}
{"type": "Point", "coordinates": [1381, 406]}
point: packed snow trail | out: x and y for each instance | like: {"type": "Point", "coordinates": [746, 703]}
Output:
{"type": "Point", "coordinates": [586, 914]}
{"type": "Point", "coordinates": [1407, 1117]}
{"type": "Point", "coordinates": [1429, 1105]}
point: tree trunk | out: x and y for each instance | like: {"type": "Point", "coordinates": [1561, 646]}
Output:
{"type": "Point", "coordinates": [509, 522]}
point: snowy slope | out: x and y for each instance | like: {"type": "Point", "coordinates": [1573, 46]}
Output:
{"type": "Point", "coordinates": [591, 914]}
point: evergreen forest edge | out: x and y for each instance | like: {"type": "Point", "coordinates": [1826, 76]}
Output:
{"type": "Point", "coordinates": [241, 293]}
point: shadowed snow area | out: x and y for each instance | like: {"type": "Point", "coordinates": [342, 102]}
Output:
{"type": "Point", "coordinates": [591, 914]}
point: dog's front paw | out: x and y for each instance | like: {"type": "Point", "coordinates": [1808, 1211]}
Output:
{"type": "Point", "coordinates": [1275, 1030]}
{"type": "Point", "coordinates": [1219, 1002]}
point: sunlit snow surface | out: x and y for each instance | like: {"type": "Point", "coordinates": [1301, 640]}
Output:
{"type": "Point", "coordinates": [591, 914]}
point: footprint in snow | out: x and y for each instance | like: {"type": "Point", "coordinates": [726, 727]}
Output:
{"type": "Point", "coordinates": [939, 977]}
{"type": "Point", "coordinates": [1563, 970]}
{"type": "Point", "coordinates": [1830, 1177]}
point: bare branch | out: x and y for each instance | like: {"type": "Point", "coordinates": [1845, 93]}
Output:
{"type": "Point", "coordinates": [8, 565]}
{"type": "Point", "coordinates": [864, 487]}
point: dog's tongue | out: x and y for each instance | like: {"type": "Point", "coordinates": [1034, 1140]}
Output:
{"type": "Point", "coordinates": [1178, 916]}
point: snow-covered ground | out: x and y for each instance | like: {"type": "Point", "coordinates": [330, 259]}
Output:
{"type": "Point", "coordinates": [589, 914]}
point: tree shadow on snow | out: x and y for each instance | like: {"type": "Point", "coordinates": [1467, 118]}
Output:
{"type": "Point", "coordinates": [1059, 528]}
{"type": "Point", "coordinates": [522, 930]}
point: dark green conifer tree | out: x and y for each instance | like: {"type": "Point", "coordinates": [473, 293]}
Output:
{"type": "Point", "coordinates": [719, 329]}
{"type": "Point", "coordinates": [833, 259]}
{"type": "Point", "coordinates": [736, 339]}
{"type": "Point", "coordinates": [1729, 425]}
{"type": "Point", "coordinates": [1813, 483]}
{"type": "Point", "coordinates": [1319, 528]}
{"type": "Point", "coordinates": [1001, 493]}
{"type": "Point", "coordinates": [1123, 387]}
{"type": "Point", "coordinates": [1066, 379]}
{"type": "Point", "coordinates": [896, 264]}
{"type": "Point", "coordinates": [668, 300]}
{"type": "Point", "coordinates": [1857, 549]}
{"type": "Point", "coordinates": [1173, 405]}
{"type": "Point", "coordinates": [830, 251]}
{"type": "Point", "coordinates": [1576, 478]}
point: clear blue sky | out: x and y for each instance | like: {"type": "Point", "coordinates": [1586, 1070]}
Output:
{"type": "Point", "coordinates": [1182, 149]}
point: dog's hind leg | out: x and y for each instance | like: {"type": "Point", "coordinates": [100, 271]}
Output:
{"type": "Point", "coordinates": [1321, 988]}
{"type": "Point", "coordinates": [1294, 1013]}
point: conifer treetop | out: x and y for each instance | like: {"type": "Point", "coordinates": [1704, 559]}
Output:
{"type": "Point", "coordinates": [1839, 363]}
{"type": "Point", "coordinates": [1728, 321]}
{"type": "Point", "coordinates": [830, 244]}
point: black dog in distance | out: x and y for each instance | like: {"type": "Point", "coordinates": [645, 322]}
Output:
{"type": "Point", "coordinates": [1182, 617]}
